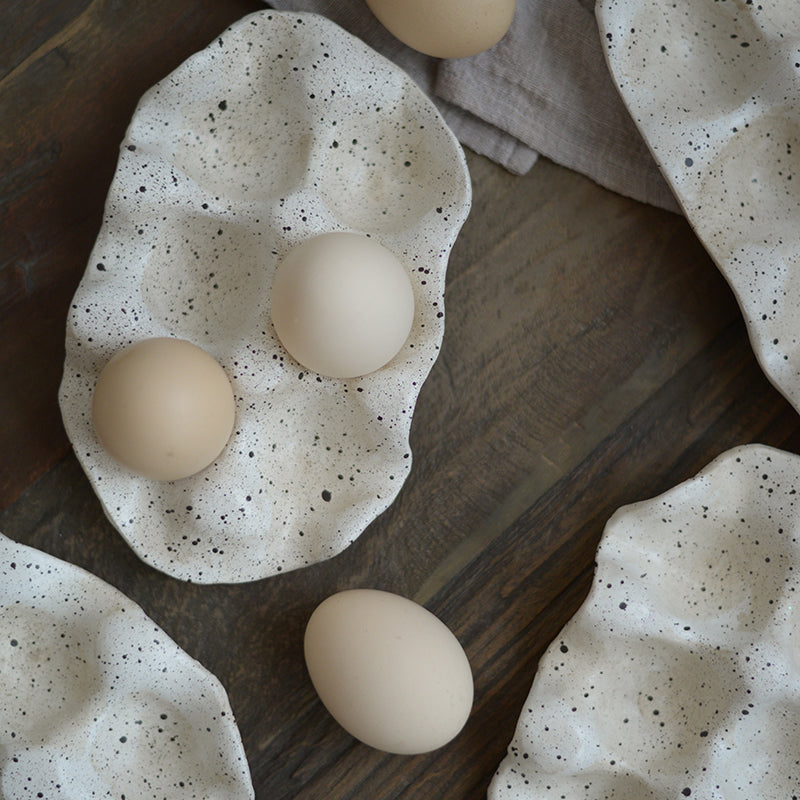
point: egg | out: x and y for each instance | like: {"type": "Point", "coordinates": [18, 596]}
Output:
{"type": "Point", "coordinates": [163, 408]}
{"type": "Point", "coordinates": [446, 28]}
{"type": "Point", "coordinates": [389, 672]}
{"type": "Point", "coordinates": [342, 304]}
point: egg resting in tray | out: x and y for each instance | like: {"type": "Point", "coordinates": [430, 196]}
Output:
{"type": "Point", "coordinates": [283, 128]}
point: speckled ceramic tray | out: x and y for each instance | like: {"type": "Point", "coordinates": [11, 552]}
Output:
{"type": "Point", "coordinates": [680, 674]}
{"type": "Point", "coordinates": [715, 89]}
{"type": "Point", "coordinates": [284, 127]}
{"type": "Point", "coordinates": [97, 701]}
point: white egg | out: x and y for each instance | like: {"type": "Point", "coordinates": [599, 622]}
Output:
{"type": "Point", "coordinates": [446, 28]}
{"type": "Point", "coordinates": [390, 672]}
{"type": "Point", "coordinates": [342, 304]}
{"type": "Point", "coordinates": [164, 408]}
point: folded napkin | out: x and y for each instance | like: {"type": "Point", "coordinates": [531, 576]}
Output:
{"type": "Point", "coordinates": [543, 89]}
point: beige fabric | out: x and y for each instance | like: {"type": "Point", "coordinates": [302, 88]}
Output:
{"type": "Point", "coordinates": [545, 88]}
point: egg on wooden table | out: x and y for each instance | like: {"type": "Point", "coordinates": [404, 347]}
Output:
{"type": "Point", "coordinates": [446, 28]}
{"type": "Point", "coordinates": [388, 670]}
{"type": "Point", "coordinates": [164, 408]}
{"type": "Point", "coordinates": [342, 304]}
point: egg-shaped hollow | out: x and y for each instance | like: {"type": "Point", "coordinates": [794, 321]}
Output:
{"type": "Point", "coordinates": [750, 190]}
{"type": "Point", "coordinates": [687, 60]}
{"type": "Point", "coordinates": [49, 671]}
{"type": "Point", "coordinates": [759, 756]}
{"type": "Point", "coordinates": [143, 732]}
{"type": "Point", "coordinates": [602, 693]}
{"type": "Point", "coordinates": [207, 279]}
{"type": "Point", "coordinates": [712, 553]}
{"type": "Point", "coordinates": [243, 140]}
{"type": "Point", "coordinates": [387, 165]}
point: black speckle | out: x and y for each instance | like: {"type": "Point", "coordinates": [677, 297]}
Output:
{"type": "Point", "coordinates": [686, 792]}
{"type": "Point", "coordinates": [623, 606]}
{"type": "Point", "coordinates": [101, 267]}
{"type": "Point", "coordinates": [689, 162]}
{"type": "Point", "coordinates": [326, 495]}
{"type": "Point", "coordinates": [223, 104]}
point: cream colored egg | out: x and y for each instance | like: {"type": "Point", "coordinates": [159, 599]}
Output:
{"type": "Point", "coordinates": [446, 28]}
{"type": "Point", "coordinates": [163, 408]}
{"type": "Point", "coordinates": [342, 304]}
{"type": "Point", "coordinates": [390, 672]}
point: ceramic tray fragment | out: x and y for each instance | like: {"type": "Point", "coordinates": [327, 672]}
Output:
{"type": "Point", "coordinates": [96, 700]}
{"type": "Point", "coordinates": [715, 89]}
{"type": "Point", "coordinates": [284, 127]}
{"type": "Point", "coordinates": [680, 675]}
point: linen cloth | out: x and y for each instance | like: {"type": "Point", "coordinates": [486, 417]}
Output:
{"type": "Point", "coordinates": [544, 89]}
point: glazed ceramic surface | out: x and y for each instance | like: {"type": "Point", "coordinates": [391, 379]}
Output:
{"type": "Point", "coordinates": [715, 89]}
{"type": "Point", "coordinates": [97, 701]}
{"type": "Point", "coordinates": [680, 674]}
{"type": "Point", "coordinates": [283, 128]}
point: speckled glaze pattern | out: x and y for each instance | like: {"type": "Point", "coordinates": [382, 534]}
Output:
{"type": "Point", "coordinates": [714, 88]}
{"type": "Point", "coordinates": [97, 701]}
{"type": "Point", "coordinates": [284, 127]}
{"type": "Point", "coordinates": [680, 674]}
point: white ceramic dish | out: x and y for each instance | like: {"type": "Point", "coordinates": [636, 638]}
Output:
{"type": "Point", "coordinates": [680, 675]}
{"type": "Point", "coordinates": [97, 701]}
{"type": "Point", "coordinates": [284, 127]}
{"type": "Point", "coordinates": [714, 88]}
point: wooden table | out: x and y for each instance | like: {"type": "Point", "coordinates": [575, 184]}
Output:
{"type": "Point", "coordinates": [593, 356]}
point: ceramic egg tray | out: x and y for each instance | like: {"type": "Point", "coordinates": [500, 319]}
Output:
{"type": "Point", "coordinates": [679, 675]}
{"type": "Point", "coordinates": [714, 87]}
{"type": "Point", "coordinates": [284, 127]}
{"type": "Point", "coordinates": [98, 701]}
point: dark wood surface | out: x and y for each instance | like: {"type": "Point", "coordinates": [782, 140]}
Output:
{"type": "Point", "coordinates": [593, 357]}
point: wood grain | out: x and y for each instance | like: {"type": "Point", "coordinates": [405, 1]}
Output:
{"type": "Point", "coordinates": [593, 357]}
